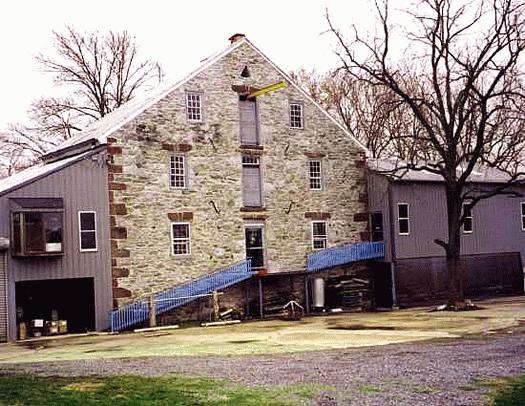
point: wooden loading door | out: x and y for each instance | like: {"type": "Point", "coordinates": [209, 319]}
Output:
{"type": "Point", "coordinates": [3, 297]}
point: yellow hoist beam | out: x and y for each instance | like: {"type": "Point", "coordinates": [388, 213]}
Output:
{"type": "Point", "coordinates": [267, 89]}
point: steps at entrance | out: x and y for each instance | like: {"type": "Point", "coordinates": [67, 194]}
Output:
{"type": "Point", "coordinates": [345, 254]}
{"type": "Point", "coordinates": [138, 311]}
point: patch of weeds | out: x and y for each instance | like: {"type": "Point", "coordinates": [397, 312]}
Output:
{"type": "Point", "coordinates": [423, 390]}
{"type": "Point", "coordinates": [22, 390]}
{"type": "Point", "coordinates": [83, 386]}
{"type": "Point", "coordinates": [474, 385]}
{"type": "Point", "coordinates": [369, 389]}
{"type": "Point", "coordinates": [507, 392]}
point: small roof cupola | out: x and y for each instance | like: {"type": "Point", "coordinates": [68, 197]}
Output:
{"type": "Point", "coordinates": [236, 37]}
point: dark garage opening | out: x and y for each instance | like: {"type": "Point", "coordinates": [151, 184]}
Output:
{"type": "Point", "coordinates": [72, 299]}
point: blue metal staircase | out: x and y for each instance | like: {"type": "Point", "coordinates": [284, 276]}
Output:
{"type": "Point", "coordinates": [138, 311]}
{"type": "Point", "coordinates": [330, 257]}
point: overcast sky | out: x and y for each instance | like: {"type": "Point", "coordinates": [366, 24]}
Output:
{"type": "Point", "coordinates": [178, 34]}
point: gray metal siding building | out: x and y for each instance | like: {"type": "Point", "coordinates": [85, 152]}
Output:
{"type": "Point", "coordinates": [493, 251]}
{"type": "Point", "coordinates": [74, 277]}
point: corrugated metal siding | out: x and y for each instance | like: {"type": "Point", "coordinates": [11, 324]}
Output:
{"type": "Point", "coordinates": [248, 122]}
{"type": "Point", "coordinates": [423, 280]}
{"type": "Point", "coordinates": [83, 186]}
{"type": "Point", "coordinates": [496, 223]}
{"type": "Point", "coordinates": [251, 186]}
{"type": "Point", "coordinates": [3, 298]}
{"type": "Point", "coordinates": [378, 195]}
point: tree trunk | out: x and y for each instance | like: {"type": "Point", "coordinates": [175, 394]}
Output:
{"type": "Point", "coordinates": [453, 248]}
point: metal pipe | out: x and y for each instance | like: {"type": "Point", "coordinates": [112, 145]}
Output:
{"type": "Point", "coordinates": [306, 294]}
{"type": "Point", "coordinates": [261, 310]}
{"type": "Point", "coordinates": [393, 277]}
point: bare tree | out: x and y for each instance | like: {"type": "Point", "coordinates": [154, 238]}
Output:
{"type": "Point", "coordinates": [370, 113]}
{"type": "Point", "coordinates": [468, 99]}
{"type": "Point", "coordinates": [12, 157]}
{"type": "Point", "coordinates": [99, 72]}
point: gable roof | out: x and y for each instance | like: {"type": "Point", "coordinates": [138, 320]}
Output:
{"type": "Point", "coordinates": [36, 172]}
{"type": "Point", "coordinates": [388, 168]}
{"type": "Point", "coordinates": [100, 130]}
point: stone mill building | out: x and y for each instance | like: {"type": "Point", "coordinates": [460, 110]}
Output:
{"type": "Point", "coordinates": [232, 162]}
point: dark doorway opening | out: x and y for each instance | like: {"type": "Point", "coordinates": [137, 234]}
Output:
{"type": "Point", "coordinates": [376, 226]}
{"type": "Point", "coordinates": [382, 276]}
{"type": "Point", "coordinates": [255, 246]}
{"type": "Point", "coordinates": [72, 299]}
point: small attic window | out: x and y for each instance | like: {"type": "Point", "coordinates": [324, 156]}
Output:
{"type": "Point", "coordinates": [245, 72]}
{"type": "Point", "coordinates": [194, 107]}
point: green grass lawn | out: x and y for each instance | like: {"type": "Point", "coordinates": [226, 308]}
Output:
{"type": "Point", "coordinates": [130, 390]}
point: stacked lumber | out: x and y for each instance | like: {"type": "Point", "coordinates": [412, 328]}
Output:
{"type": "Point", "coordinates": [346, 291]}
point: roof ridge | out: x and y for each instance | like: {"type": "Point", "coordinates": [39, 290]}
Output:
{"type": "Point", "coordinates": [139, 105]}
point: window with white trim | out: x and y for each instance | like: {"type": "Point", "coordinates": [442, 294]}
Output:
{"type": "Point", "coordinates": [87, 228]}
{"type": "Point", "coordinates": [319, 235]}
{"type": "Point", "coordinates": [523, 216]}
{"type": "Point", "coordinates": [251, 181]}
{"type": "Point", "coordinates": [468, 224]}
{"type": "Point", "coordinates": [314, 172]}
{"type": "Point", "coordinates": [180, 239]}
{"type": "Point", "coordinates": [296, 115]}
{"type": "Point", "coordinates": [194, 107]}
{"type": "Point", "coordinates": [403, 218]}
{"type": "Point", "coordinates": [178, 172]}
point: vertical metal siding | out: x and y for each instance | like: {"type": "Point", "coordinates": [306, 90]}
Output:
{"type": "Point", "coordinates": [83, 186]}
{"type": "Point", "coordinates": [378, 201]}
{"type": "Point", "coordinates": [3, 298]}
{"type": "Point", "coordinates": [496, 223]}
{"type": "Point", "coordinates": [248, 122]}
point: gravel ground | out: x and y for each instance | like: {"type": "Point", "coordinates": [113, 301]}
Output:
{"type": "Point", "coordinates": [431, 373]}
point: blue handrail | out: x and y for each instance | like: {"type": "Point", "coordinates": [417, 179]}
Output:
{"type": "Point", "coordinates": [138, 311]}
{"type": "Point", "coordinates": [330, 257]}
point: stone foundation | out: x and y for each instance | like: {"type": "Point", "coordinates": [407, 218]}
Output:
{"type": "Point", "coordinates": [277, 290]}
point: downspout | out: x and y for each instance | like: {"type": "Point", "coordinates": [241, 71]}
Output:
{"type": "Point", "coordinates": [392, 244]}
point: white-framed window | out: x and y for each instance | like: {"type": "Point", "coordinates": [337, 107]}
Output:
{"type": "Point", "coordinates": [319, 235]}
{"type": "Point", "coordinates": [314, 174]}
{"type": "Point", "coordinates": [296, 115]}
{"type": "Point", "coordinates": [180, 238]}
{"type": "Point", "coordinates": [252, 181]}
{"type": "Point", "coordinates": [468, 224]}
{"type": "Point", "coordinates": [403, 218]}
{"type": "Point", "coordinates": [522, 206]}
{"type": "Point", "coordinates": [194, 107]}
{"type": "Point", "coordinates": [178, 172]}
{"type": "Point", "coordinates": [87, 229]}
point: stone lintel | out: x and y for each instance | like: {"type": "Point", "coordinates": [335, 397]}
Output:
{"type": "Point", "coordinates": [315, 154]}
{"type": "Point", "coordinates": [361, 217]}
{"type": "Point", "coordinates": [317, 215]}
{"type": "Point", "coordinates": [181, 216]}
{"type": "Point", "coordinates": [176, 147]}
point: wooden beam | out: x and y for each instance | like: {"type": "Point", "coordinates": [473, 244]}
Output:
{"type": "Point", "coordinates": [267, 89]}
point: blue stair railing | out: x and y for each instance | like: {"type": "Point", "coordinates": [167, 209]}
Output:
{"type": "Point", "coordinates": [330, 257]}
{"type": "Point", "coordinates": [138, 311]}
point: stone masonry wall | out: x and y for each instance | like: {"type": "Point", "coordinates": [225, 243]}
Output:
{"type": "Point", "coordinates": [143, 205]}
